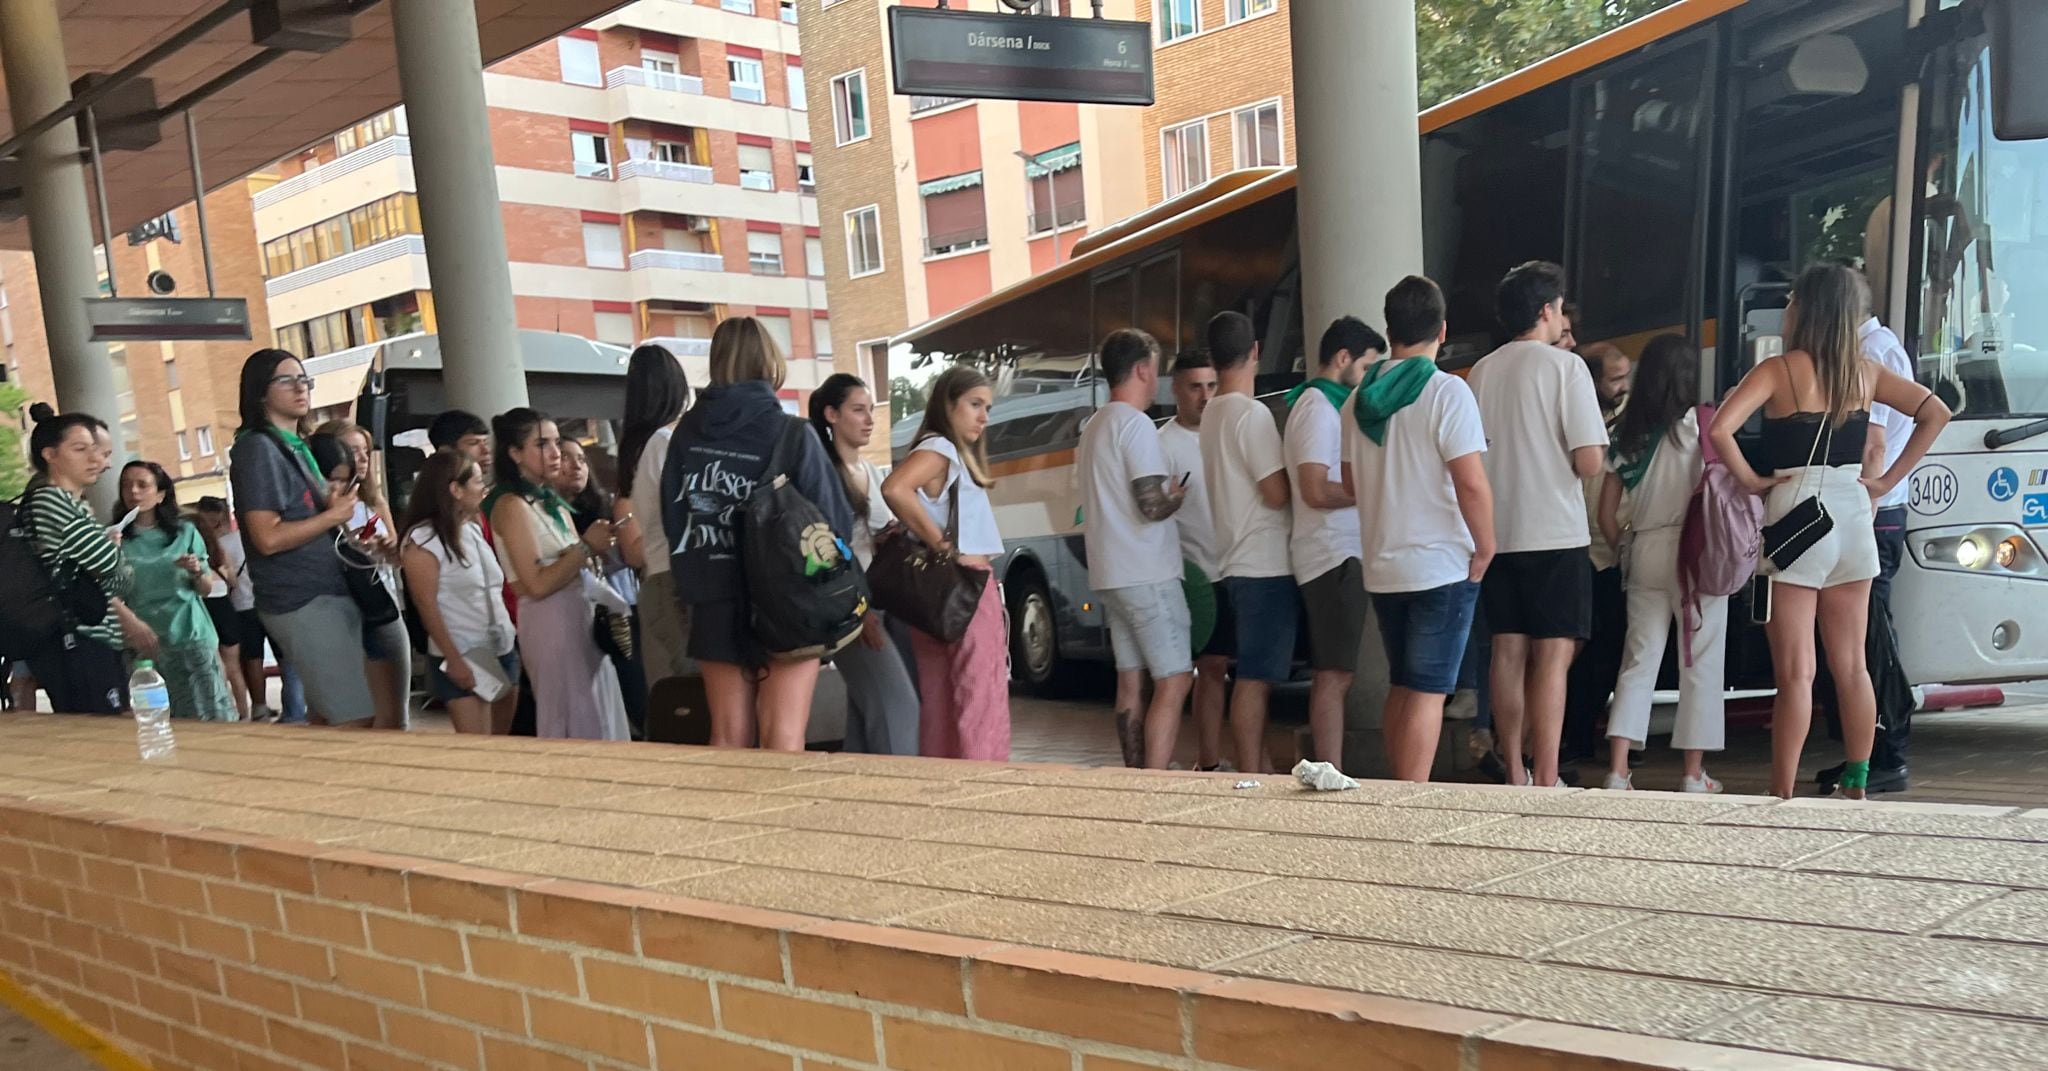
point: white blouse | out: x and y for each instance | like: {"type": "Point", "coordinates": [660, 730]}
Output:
{"type": "Point", "coordinates": [977, 528]}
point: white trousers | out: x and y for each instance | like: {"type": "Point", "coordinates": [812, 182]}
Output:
{"type": "Point", "coordinates": [1654, 608]}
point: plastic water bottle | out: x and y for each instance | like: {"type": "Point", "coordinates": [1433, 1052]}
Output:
{"type": "Point", "coordinates": [152, 702]}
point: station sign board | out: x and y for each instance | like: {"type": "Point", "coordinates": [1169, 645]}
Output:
{"type": "Point", "coordinates": [953, 53]}
{"type": "Point", "coordinates": [168, 319]}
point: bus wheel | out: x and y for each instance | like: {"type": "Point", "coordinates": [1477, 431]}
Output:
{"type": "Point", "coordinates": [1034, 638]}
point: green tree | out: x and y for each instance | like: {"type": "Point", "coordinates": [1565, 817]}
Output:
{"type": "Point", "coordinates": [1464, 44]}
{"type": "Point", "coordinates": [13, 462]}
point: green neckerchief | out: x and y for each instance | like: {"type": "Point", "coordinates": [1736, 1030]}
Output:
{"type": "Point", "coordinates": [549, 502]}
{"type": "Point", "coordinates": [1390, 386]}
{"type": "Point", "coordinates": [1333, 390]}
{"type": "Point", "coordinates": [297, 444]}
{"type": "Point", "coordinates": [1633, 469]}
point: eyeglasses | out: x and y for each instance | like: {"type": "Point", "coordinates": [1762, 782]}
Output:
{"type": "Point", "coordinates": [302, 382]}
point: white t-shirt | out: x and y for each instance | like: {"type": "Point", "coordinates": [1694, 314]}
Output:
{"type": "Point", "coordinates": [1125, 549]}
{"type": "Point", "coordinates": [242, 595]}
{"type": "Point", "coordinates": [1323, 539]}
{"type": "Point", "coordinates": [1414, 535]}
{"type": "Point", "coordinates": [1884, 347]}
{"type": "Point", "coordinates": [1537, 404]}
{"type": "Point", "coordinates": [1665, 493]}
{"type": "Point", "coordinates": [647, 502]}
{"type": "Point", "coordinates": [878, 516]}
{"type": "Point", "coordinates": [977, 534]}
{"type": "Point", "coordinates": [1181, 448]}
{"type": "Point", "coordinates": [469, 599]}
{"type": "Point", "coordinates": [1240, 447]}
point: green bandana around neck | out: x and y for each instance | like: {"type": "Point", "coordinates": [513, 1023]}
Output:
{"type": "Point", "coordinates": [1390, 386]}
{"type": "Point", "coordinates": [1633, 469]}
{"type": "Point", "coordinates": [1337, 392]}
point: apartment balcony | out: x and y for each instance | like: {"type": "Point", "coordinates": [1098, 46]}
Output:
{"type": "Point", "coordinates": [757, 180]}
{"type": "Point", "coordinates": [351, 181]}
{"type": "Point", "coordinates": [747, 93]}
{"type": "Point", "coordinates": [667, 81]}
{"type": "Point", "coordinates": [592, 169]}
{"type": "Point", "coordinates": [675, 260]}
{"type": "Point", "coordinates": [371, 273]}
{"type": "Point", "coordinates": [667, 171]}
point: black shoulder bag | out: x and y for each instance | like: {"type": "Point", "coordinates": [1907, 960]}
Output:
{"type": "Point", "coordinates": [1790, 536]}
{"type": "Point", "coordinates": [358, 571]}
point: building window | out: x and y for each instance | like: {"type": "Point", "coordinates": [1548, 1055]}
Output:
{"type": "Point", "coordinates": [743, 7]}
{"type": "Point", "coordinates": [580, 64]}
{"type": "Point", "coordinates": [821, 338]}
{"type": "Point", "coordinates": [674, 152]}
{"type": "Point", "coordinates": [764, 252]}
{"type": "Point", "coordinates": [205, 435]}
{"type": "Point", "coordinates": [778, 329]}
{"type": "Point", "coordinates": [602, 247]}
{"type": "Point", "coordinates": [789, 11]}
{"type": "Point", "coordinates": [592, 153]}
{"type": "Point", "coordinates": [1177, 19]}
{"type": "Point", "coordinates": [1184, 157]}
{"type": "Point", "coordinates": [171, 374]}
{"type": "Point", "coordinates": [184, 448]}
{"type": "Point", "coordinates": [757, 167]}
{"type": "Point", "coordinates": [658, 62]}
{"type": "Point", "coordinates": [805, 176]}
{"type": "Point", "coordinates": [814, 257]}
{"type": "Point", "coordinates": [361, 227]}
{"type": "Point", "coordinates": [798, 99]}
{"type": "Point", "coordinates": [615, 328]}
{"type": "Point", "coordinates": [744, 75]}
{"type": "Point", "coordinates": [850, 106]}
{"type": "Point", "coordinates": [1256, 131]}
{"type": "Point", "coordinates": [1240, 10]}
{"type": "Point", "coordinates": [370, 131]}
{"type": "Point", "coordinates": [955, 214]}
{"type": "Point", "coordinates": [1053, 185]}
{"type": "Point", "coordinates": [864, 241]}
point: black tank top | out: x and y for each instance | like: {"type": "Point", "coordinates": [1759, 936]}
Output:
{"type": "Point", "coordinates": [1789, 440]}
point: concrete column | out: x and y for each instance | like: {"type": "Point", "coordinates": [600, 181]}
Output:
{"type": "Point", "coordinates": [440, 71]}
{"type": "Point", "coordinates": [59, 218]}
{"type": "Point", "coordinates": [1360, 214]}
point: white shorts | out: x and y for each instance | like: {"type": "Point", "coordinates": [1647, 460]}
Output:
{"type": "Point", "coordinates": [1148, 628]}
{"type": "Point", "coordinates": [1848, 553]}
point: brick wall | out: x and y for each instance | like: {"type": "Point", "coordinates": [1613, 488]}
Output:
{"type": "Point", "coordinates": [1225, 67]}
{"type": "Point", "coordinates": [198, 950]}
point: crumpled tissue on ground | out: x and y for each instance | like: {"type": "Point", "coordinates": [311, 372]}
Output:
{"type": "Point", "coordinates": [1322, 776]}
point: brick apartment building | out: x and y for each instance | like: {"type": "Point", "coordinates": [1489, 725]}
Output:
{"type": "Point", "coordinates": [932, 203]}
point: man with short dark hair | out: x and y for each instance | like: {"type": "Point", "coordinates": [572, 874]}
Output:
{"type": "Point", "coordinates": [1597, 666]}
{"type": "Point", "coordinates": [1246, 466]}
{"type": "Point", "coordinates": [1180, 443]}
{"type": "Point", "coordinates": [1544, 436]}
{"type": "Point", "coordinates": [1324, 545]}
{"type": "Point", "coordinates": [1413, 449]}
{"type": "Point", "coordinates": [462, 432]}
{"type": "Point", "coordinates": [1128, 501]}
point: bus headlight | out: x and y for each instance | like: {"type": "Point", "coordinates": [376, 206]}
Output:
{"type": "Point", "coordinates": [1992, 549]}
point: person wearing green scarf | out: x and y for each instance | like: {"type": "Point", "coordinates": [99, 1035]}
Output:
{"type": "Point", "coordinates": [1413, 449]}
{"type": "Point", "coordinates": [1323, 545]}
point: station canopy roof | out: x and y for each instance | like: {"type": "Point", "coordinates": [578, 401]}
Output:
{"type": "Point", "coordinates": [293, 102]}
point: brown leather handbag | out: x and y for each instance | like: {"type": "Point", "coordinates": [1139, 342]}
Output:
{"type": "Point", "coordinates": [930, 590]}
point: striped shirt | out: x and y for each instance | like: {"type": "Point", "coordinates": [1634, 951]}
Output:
{"type": "Point", "coordinates": [69, 540]}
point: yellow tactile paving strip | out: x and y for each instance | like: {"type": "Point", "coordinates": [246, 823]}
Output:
{"type": "Point", "coordinates": [1895, 935]}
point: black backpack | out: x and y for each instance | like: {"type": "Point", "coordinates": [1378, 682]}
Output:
{"type": "Point", "coordinates": [43, 604]}
{"type": "Point", "coordinates": [806, 594]}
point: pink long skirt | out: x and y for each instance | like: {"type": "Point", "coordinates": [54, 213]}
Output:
{"type": "Point", "coordinates": [965, 687]}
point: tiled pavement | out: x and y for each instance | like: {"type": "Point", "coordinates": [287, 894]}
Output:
{"type": "Point", "coordinates": [1898, 935]}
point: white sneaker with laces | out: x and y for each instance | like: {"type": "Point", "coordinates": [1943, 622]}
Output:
{"type": "Point", "coordinates": [1703, 783]}
{"type": "Point", "coordinates": [1618, 782]}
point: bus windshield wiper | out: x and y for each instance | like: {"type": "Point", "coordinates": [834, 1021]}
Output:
{"type": "Point", "coordinates": [1998, 437]}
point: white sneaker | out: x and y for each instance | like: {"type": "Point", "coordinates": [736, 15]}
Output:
{"type": "Point", "coordinates": [1618, 782]}
{"type": "Point", "coordinates": [1703, 783]}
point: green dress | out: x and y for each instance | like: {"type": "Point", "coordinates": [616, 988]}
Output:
{"type": "Point", "coordinates": [188, 652]}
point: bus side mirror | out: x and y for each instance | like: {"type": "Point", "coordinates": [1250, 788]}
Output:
{"type": "Point", "coordinates": [2018, 32]}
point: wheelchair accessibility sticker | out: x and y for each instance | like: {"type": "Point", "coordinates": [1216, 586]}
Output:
{"type": "Point", "coordinates": [2004, 484]}
{"type": "Point", "coordinates": [2034, 510]}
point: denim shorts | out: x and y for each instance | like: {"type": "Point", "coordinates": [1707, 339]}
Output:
{"type": "Point", "coordinates": [1267, 608]}
{"type": "Point", "coordinates": [1424, 633]}
{"type": "Point", "coordinates": [1148, 628]}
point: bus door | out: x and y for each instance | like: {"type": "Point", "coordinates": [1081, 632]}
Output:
{"type": "Point", "coordinates": [1636, 218]}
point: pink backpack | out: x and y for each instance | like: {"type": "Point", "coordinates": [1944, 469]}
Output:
{"type": "Point", "coordinates": [1722, 537]}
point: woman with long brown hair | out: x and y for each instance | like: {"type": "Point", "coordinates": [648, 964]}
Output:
{"type": "Point", "coordinates": [940, 493]}
{"type": "Point", "coordinates": [1816, 405]}
{"type": "Point", "coordinates": [387, 650]}
{"type": "Point", "coordinates": [720, 454]}
{"type": "Point", "coordinates": [455, 581]}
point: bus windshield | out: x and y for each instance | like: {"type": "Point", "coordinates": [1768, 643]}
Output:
{"type": "Point", "coordinates": [1982, 248]}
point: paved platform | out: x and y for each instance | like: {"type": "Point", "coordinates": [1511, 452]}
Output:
{"type": "Point", "coordinates": [1727, 932]}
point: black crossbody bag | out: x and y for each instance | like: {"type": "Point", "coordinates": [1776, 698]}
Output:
{"type": "Point", "coordinates": [1790, 536]}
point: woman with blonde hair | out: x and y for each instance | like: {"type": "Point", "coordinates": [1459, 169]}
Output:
{"type": "Point", "coordinates": [1816, 405]}
{"type": "Point", "coordinates": [721, 452]}
{"type": "Point", "coordinates": [940, 493]}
